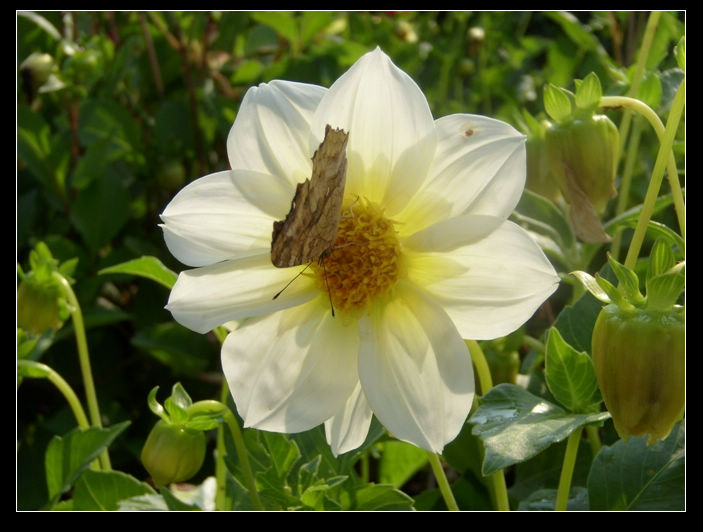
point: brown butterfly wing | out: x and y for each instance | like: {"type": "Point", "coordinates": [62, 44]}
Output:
{"type": "Point", "coordinates": [310, 228]}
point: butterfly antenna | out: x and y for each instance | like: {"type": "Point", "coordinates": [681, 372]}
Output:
{"type": "Point", "coordinates": [291, 281]}
{"type": "Point", "coordinates": [322, 260]}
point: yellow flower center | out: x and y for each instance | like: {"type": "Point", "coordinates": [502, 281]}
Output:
{"type": "Point", "coordinates": [365, 261]}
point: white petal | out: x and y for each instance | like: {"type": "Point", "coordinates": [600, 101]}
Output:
{"type": "Point", "coordinates": [211, 220]}
{"type": "Point", "coordinates": [415, 370]}
{"type": "Point", "coordinates": [271, 133]}
{"type": "Point", "coordinates": [480, 173]}
{"type": "Point", "coordinates": [490, 287]}
{"type": "Point", "coordinates": [453, 232]}
{"type": "Point", "coordinates": [207, 297]}
{"type": "Point", "coordinates": [348, 429]}
{"type": "Point", "coordinates": [292, 370]}
{"type": "Point", "coordinates": [386, 116]}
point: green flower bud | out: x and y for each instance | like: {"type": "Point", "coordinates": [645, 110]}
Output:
{"type": "Point", "coordinates": [38, 306]}
{"type": "Point", "coordinates": [584, 153]}
{"type": "Point", "coordinates": [38, 67]}
{"type": "Point", "coordinates": [173, 453]}
{"type": "Point", "coordinates": [638, 344]}
{"type": "Point", "coordinates": [639, 358]}
{"type": "Point", "coordinates": [539, 176]}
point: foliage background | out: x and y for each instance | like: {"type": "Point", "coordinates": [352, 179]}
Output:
{"type": "Point", "coordinates": [140, 104]}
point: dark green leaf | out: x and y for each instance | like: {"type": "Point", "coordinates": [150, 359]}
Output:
{"type": "Point", "coordinates": [545, 500]}
{"type": "Point", "coordinates": [633, 476]}
{"type": "Point", "coordinates": [101, 209]}
{"type": "Point", "coordinates": [103, 490]}
{"type": "Point", "coordinates": [149, 267]}
{"type": "Point", "coordinates": [541, 215]}
{"type": "Point", "coordinates": [182, 350]}
{"type": "Point", "coordinates": [515, 425]}
{"type": "Point", "coordinates": [67, 457]}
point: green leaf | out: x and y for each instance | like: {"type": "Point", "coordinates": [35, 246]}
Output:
{"type": "Point", "coordinates": [570, 375]}
{"type": "Point", "coordinates": [282, 452]}
{"type": "Point", "coordinates": [515, 425]}
{"type": "Point", "coordinates": [181, 349]}
{"type": "Point", "coordinates": [148, 267]}
{"type": "Point", "coordinates": [543, 216]}
{"type": "Point", "coordinates": [588, 93]}
{"type": "Point", "coordinates": [381, 497]}
{"type": "Point", "coordinates": [575, 30]}
{"type": "Point", "coordinates": [101, 209]}
{"type": "Point", "coordinates": [400, 461]}
{"type": "Point", "coordinates": [282, 21]}
{"type": "Point", "coordinates": [33, 144]}
{"type": "Point", "coordinates": [680, 53]}
{"type": "Point", "coordinates": [144, 503]}
{"type": "Point", "coordinates": [545, 500]}
{"type": "Point", "coordinates": [101, 119]}
{"type": "Point", "coordinates": [92, 164]}
{"type": "Point", "coordinates": [103, 490]}
{"type": "Point", "coordinates": [633, 476]}
{"type": "Point", "coordinates": [557, 104]}
{"type": "Point", "coordinates": [66, 458]}
{"type": "Point", "coordinates": [650, 91]}
{"type": "Point", "coordinates": [654, 229]}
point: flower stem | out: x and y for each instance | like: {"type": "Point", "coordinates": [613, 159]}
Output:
{"type": "Point", "coordinates": [500, 492]}
{"type": "Point", "coordinates": [243, 455]}
{"type": "Point", "coordinates": [442, 481]}
{"type": "Point", "coordinates": [84, 359]}
{"type": "Point", "coordinates": [222, 502]}
{"type": "Point", "coordinates": [567, 470]}
{"type": "Point", "coordinates": [664, 157]}
{"type": "Point", "coordinates": [642, 57]}
{"type": "Point", "coordinates": [625, 182]}
{"type": "Point", "coordinates": [62, 386]}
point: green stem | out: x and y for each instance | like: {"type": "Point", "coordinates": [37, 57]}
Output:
{"type": "Point", "coordinates": [500, 491]}
{"type": "Point", "coordinates": [664, 157]}
{"type": "Point", "coordinates": [62, 386]}
{"type": "Point", "coordinates": [625, 182]}
{"type": "Point", "coordinates": [365, 469]}
{"type": "Point", "coordinates": [222, 502]}
{"type": "Point", "coordinates": [638, 73]}
{"type": "Point", "coordinates": [243, 455]}
{"type": "Point", "coordinates": [567, 470]}
{"type": "Point", "coordinates": [84, 359]}
{"type": "Point", "coordinates": [442, 482]}
{"type": "Point", "coordinates": [534, 343]}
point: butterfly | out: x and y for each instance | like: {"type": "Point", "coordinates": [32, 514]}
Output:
{"type": "Point", "coordinates": [309, 230]}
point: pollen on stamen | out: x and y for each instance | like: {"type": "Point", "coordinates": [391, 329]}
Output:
{"type": "Point", "coordinates": [365, 261]}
